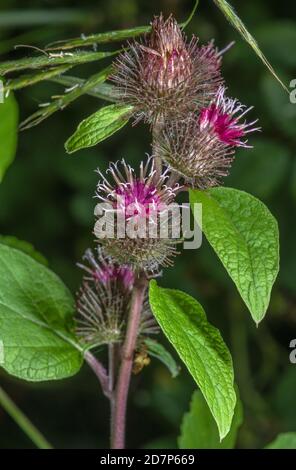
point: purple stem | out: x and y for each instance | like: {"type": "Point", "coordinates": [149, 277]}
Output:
{"type": "Point", "coordinates": [100, 372]}
{"type": "Point", "coordinates": [124, 377]}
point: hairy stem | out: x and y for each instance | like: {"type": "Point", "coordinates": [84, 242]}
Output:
{"type": "Point", "coordinates": [124, 376]}
{"type": "Point", "coordinates": [100, 372]}
{"type": "Point", "coordinates": [156, 130]}
{"type": "Point", "coordinates": [112, 354]}
{"type": "Point", "coordinates": [23, 422]}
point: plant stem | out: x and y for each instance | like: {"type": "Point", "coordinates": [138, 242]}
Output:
{"type": "Point", "coordinates": [156, 130]}
{"type": "Point", "coordinates": [23, 422]}
{"type": "Point", "coordinates": [100, 372]}
{"type": "Point", "coordinates": [112, 354]}
{"type": "Point", "coordinates": [124, 377]}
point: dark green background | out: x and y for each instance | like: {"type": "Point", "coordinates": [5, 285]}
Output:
{"type": "Point", "coordinates": [46, 198]}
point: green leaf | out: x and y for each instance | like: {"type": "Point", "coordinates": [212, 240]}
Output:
{"type": "Point", "coordinates": [158, 351]}
{"type": "Point", "coordinates": [8, 133]}
{"type": "Point", "coordinates": [103, 91]}
{"type": "Point", "coordinates": [245, 237]}
{"type": "Point", "coordinates": [200, 346]}
{"type": "Point", "coordinates": [100, 38]}
{"type": "Point", "coordinates": [23, 246]}
{"type": "Point", "coordinates": [98, 127]}
{"type": "Point", "coordinates": [237, 23]}
{"type": "Point", "coordinates": [30, 79]}
{"type": "Point", "coordinates": [36, 320]}
{"type": "Point", "coordinates": [63, 101]}
{"type": "Point", "coordinates": [283, 441]}
{"type": "Point", "coordinates": [199, 430]}
{"type": "Point", "coordinates": [52, 60]}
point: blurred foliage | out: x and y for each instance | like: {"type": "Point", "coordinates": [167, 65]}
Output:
{"type": "Point", "coordinates": [46, 198]}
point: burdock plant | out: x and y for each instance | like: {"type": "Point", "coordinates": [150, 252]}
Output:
{"type": "Point", "coordinates": [174, 86]}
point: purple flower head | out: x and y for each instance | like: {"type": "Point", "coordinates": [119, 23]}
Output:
{"type": "Point", "coordinates": [223, 117]}
{"type": "Point", "coordinates": [137, 199]}
{"type": "Point", "coordinates": [137, 204]}
{"type": "Point", "coordinates": [200, 148]}
{"type": "Point", "coordinates": [100, 269]}
{"type": "Point", "coordinates": [103, 301]}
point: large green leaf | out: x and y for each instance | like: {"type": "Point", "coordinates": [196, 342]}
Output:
{"type": "Point", "coordinates": [283, 441]}
{"type": "Point", "coordinates": [23, 246]}
{"type": "Point", "coordinates": [245, 237]}
{"type": "Point", "coordinates": [200, 346]}
{"type": "Point", "coordinates": [8, 132]}
{"type": "Point", "coordinates": [199, 430]}
{"type": "Point", "coordinates": [99, 126]}
{"type": "Point", "coordinates": [36, 320]}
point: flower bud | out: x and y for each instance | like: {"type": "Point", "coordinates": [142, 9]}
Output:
{"type": "Point", "coordinates": [103, 302]}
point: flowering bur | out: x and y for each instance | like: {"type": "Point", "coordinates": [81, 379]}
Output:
{"type": "Point", "coordinates": [176, 87]}
{"type": "Point", "coordinates": [164, 75]}
{"type": "Point", "coordinates": [224, 118]}
{"type": "Point", "coordinates": [103, 302]}
{"type": "Point", "coordinates": [139, 208]}
{"type": "Point", "coordinates": [201, 147]}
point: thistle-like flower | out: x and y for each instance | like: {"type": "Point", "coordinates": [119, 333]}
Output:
{"type": "Point", "coordinates": [100, 269]}
{"type": "Point", "coordinates": [104, 299]}
{"type": "Point", "coordinates": [201, 147]}
{"type": "Point", "coordinates": [138, 214]}
{"type": "Point", "coordinates": [224, 118]}
{"type": "Point", "coordinates": [165, 76]}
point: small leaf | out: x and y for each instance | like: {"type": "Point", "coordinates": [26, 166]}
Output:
{"type": "Point", "coordinates": [100, 38]}
{"type": "Point", "coordinates": [63, 101]}
{"type": "Point", "coordinates": [23, 246]}
{"type": "Point", "coordinates": [36, 320]}
{"type": "Point", "coordinates": [200, 346]}
{"type": "Point", "coordinates": [244, 235]}
{"type": "Point", "coordinates": [103, 91]}
{"type": "Point", "coordinates": [199, 430]}
{"type": "Point", "coordinates": [237, 23]}
{"type": "Point", "coordinates": [31, 79]}
{"type": "Point", "coordinates": [157, 350]}
{"type": "Point", "coordinates": [52, 60]}
{"type": "Point", "coordinates": [98, 127]}
{"type": "Point", "coordinates": [8, 133]}
{"type": "Point", "coordinates": [285, 440]}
